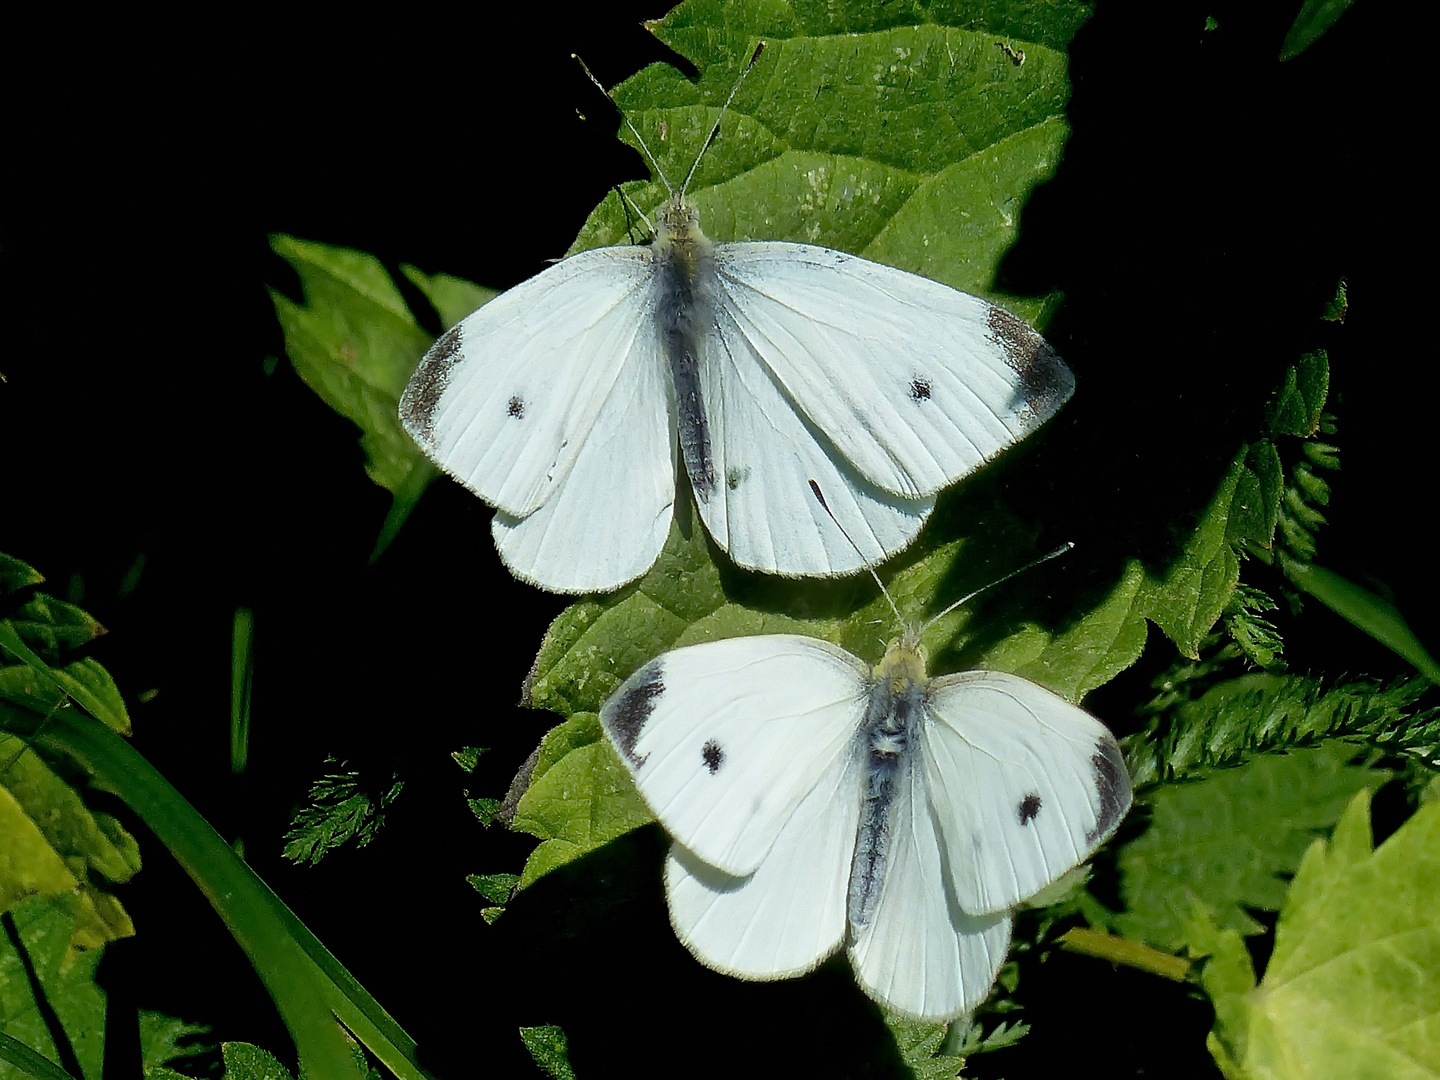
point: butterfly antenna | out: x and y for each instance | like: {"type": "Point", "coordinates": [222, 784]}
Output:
{"type": "Point", "coordinates": [1061, 550]}
{"type": "Point", "coordinates": [820, 497]}
{"type": "Point", "coordinates": [654, 162]}
{"type": "Point", "coordinates": [715, 131]}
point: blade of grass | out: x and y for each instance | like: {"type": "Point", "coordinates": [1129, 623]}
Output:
{"type": "Point", "coordinates": [311, 989]}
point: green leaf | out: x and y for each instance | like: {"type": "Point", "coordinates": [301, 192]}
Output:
{"type": "Point", "coordinates": [44, 929]}
{"type": "Point", "coordinates": [339, 811]}
{"type": "Point", "coordinates": [54, 844]}
{"type": "Point", "coordinates": [550, 1049]}
{"type": "Point", "coordinates": [1376, 616]}
{"type": "Point", "coordinates": [354, 342]}
{"type": "Point", "coordinates": [1226, 839]}
{"type": "Point", "coordinates": [919, 1046]}
{"type": "Point", "coordinates": [494, 887]}
{"type": "Point", "coordinates": [903, 134]}
{"type": "Point", "coordinates": [246, 1062]}
{"type": "Point", "coordinates": [1297, 406]}
{"type": "Point", "coordinates": [16, 575]}
{"type": "Point", "coordinates": [452, 298]}
{"type": "Point", "coordinates": [168, 1038]}
{"type": "Point", "coordinates": [1257, 713]}
{"type": "Point", "coordinates": [1353, 985]}
{"type": "Point", "coordinates": [1316, 16]}
{"type": "Point", "coordinates": [48, 625]}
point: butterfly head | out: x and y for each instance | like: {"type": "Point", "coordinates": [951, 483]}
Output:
{"type": "Point", "coordinates": [678, 222]}
{"type": "Point", "coordinates": [904, 662]}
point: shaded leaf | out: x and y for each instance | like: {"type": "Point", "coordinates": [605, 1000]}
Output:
{"type": "Point", "coordinates": [1316, 17]}
{"type": "Point", "coordinates": [550, 1049]}
{"type": "Point", "coordinates": [45, 928]}
{"type": "Point", "coordinates": [1228, 838]}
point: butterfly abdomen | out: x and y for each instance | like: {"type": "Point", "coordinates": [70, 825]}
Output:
{"type": "Point", "coordinates": [685, 273]}
{"type": "Point", "coordinates": [896, 707]}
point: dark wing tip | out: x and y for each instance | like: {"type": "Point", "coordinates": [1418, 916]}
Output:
{"type": "Point", "coordinates": [427, 385]}
{"type": "Point", "coordinates": [1112, 788]}
{"type": "Point", "coordinates": [628, 710]}
{"type": "Point", "coordinates": [1045, 379]}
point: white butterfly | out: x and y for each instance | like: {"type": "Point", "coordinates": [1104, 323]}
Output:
{"type": "Point", "coordinates": [816, 802]}
{"type": "Point", "coordinates": [569, 402]}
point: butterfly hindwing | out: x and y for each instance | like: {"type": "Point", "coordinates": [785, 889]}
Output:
{"type": "Point", "coordinates": [1025, 785]}
{"type": "Point", "coordinates": [726, 739]}
{"type": "Point", "coordinates": [789, 914]}
{"type": "Point", "coordinates": [919, 952]}
{"type": "Point", "coordinates": [917, 384]}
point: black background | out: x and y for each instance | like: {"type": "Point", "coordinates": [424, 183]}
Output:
{"type": "Point", "coordinates": [1208, 201]}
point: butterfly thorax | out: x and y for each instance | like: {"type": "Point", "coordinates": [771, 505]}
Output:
{"type": "Point", "coordinates": [684, 309]}
{"type": "Point", "coordinates": [893, 717]}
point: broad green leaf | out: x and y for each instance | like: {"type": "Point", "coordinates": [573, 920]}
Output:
{"type": "Point", "coordinates": [904, 134]}
{"type": "Point", "coordinates": [354, 342]}
{"type": "Point", "coordinates": [1316, 16]}
{"type": "Point", "coordinates": [1226, 839]}
{"type": "Point", "coordinates": [1353, 985]}
{"type": "Point", "coordinates": [45, 928]}
{"type": "Point", "coordinates": [54, 844]}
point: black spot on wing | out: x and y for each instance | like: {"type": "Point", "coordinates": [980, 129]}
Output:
{"type": "Point", "coordinates": [919, 390]}
{"type": "Point", "coordinates": [735, 476]}
{"type": "Point", "coordinates": [1112, 789]}
{"type": "Point", "coordinates": [427, 385]}
{"type": "Point", "coordinates": [1029, 808]}
{"type": "Point", "coordinates": [1044, 378]}
{"type": "Point", "coordinates": [516, 407]}
{"type": "Point", "coordinates": [627, 713]}
{"type": "Point", "coordinates": [712, 755]}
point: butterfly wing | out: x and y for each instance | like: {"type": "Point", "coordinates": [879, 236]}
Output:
{"type": "Point", "coordinates": [552, 403]}
{"type": "Point", "coordinates": [725, 740]}
{"type": "Point", "coordinates": [920, 954]}
{"type": "Point", "coordinates": [788, 915]}
{"type": "Point", "coordinates": [1024, 784]}
{"type": "Point", "coordinates": [917, 384]}
{"type": "Point", "coordinates": [764, 452]}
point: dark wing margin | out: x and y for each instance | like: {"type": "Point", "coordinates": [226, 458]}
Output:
{"type": "Point", "coordinates": [626, 714]}
{"type": "Point", "coordinates": [1112, 789]}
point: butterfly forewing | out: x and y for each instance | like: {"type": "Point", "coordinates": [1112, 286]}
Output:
{"type": "Point", "coordinates": [509, 399]}
{"type": "Point", "coordinates": [789, 914]}
{"type": "Point", "coordinates": [1025, 785]}
{"type": "Point", "coordinates": [915, 383]}
{"type": "Point", "coordinates": [726, 739]}
{"type": "Point", "coordinates": [919, 953]}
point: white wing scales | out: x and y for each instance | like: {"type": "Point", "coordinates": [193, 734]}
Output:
{"type": "Point", "coordinates": [1024, 784]}
{"type": "Point", "coordinates": [921, 954]}
{"type": "Point", "coordinates": [511, 397]}
{"type": "Point", "coordinates": [765, 452]}
{"type": "Point", "coordinates": [726, 739]}
{"type": "Point", "coordinates": [917, 384]}
{"type": "Point", "coordinates": [788, 915]}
